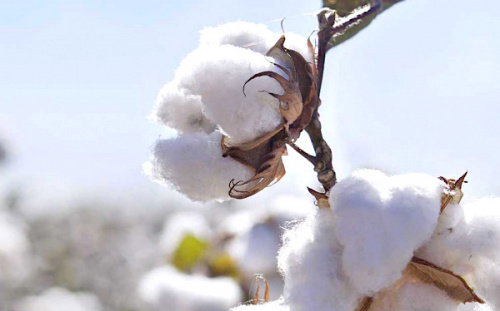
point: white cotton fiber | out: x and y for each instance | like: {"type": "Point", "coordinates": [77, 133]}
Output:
{"type": "Point", "coordinates": [256, 37]}
{"type": "Point", "coordinates": [310, 261]}
{"type": "Point", "coordinates": [381, 220]}
{"type": "Point", "coordinates": [178, 109]}
{"type": "Point", "coordinates": [193, 165]}
{"type": "Point", "coordinates": [165, 288]}
{"type": "Point", "coordinates": [276, 305]}
{"type": "Point", "coordinates": [415, 297]}
{"type": "Point", "coordinates": [217, 74]}
{"type": "Point", "coordinates": [470, 246]}
{"type": "Point", "coordinates": [59, 299]}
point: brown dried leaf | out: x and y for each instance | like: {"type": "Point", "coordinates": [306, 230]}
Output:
{"type": "Point", "coordinates": [271, 170]}
{"type": "Point", "coordinates": [453, 192]}
{"type": "Point", "coordinates": [454, 285]}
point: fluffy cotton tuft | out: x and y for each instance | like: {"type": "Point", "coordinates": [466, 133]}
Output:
{"type": "Point", "coordinates": [193, 165]}
{"type": "Point", "coordinates": [217, 74]}
{"type": "Point", "coordinates": [178, 109]}
{"type": "Point", "coordinates": [381, 220]}
{"type": "Point", "coordinates": [256, 37]}
{"type": "Point", "coordinates": [310, 261]}
{"type": "Point", "coordinates": [470, 246]}
{"type": "Point", "coordinates": [59, 299]}
{"type": "Point", "coordinates": [166, 288]}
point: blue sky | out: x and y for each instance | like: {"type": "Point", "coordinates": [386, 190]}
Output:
{"type": "Point", "coordinates": [416, 91]}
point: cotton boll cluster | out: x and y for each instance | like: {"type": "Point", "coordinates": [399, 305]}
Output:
{"type": "Point", "coordinates": [206, 99]}
{"type": "Point", "coordinates": [363, 245]}
{"type": "Point", "coordinates": [165, 287]}
{"type": "Point", "coordinates": [59, 299]}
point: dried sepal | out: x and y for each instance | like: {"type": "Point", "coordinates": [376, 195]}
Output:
{"type": "Point", "coordinates": [452, 193]}
{"type": "Point", "coordinates": [321, 198]}
{"type": "Point", "coordinates": [271, 170]}
{"type": "Point", "coordinates": [364, 304]}
{"type": "Point", "coordinates": [250, 153]}
{"type": "Point", "coordinates": [299, 101]}
{"type": "Point", "coordinates": [420, 270]}
{"type": "Point", "coordinates": [258, 278]}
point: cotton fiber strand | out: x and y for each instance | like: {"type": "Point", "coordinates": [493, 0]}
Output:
{"type": "Point", "coordinates": [381, 220]}
{"type": "Point", "coordinates": [59, 299]}
{"type": "Point", "coordinates": [193, 165]}
{"type": "Point", "coordinates": [166, 288]}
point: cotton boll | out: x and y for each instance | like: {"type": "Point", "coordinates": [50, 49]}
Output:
{"type": "Point", "coordinates": [310, 261]}
{"type": "Point", "coordinates": [381, 220]}
{"type": "Point", "coordinates": [277, 305]}
{"type": "Point", "coordinates": [59, 299]}
{"type": "Point", "coordinates": [256, 37]}
{"type": "Point", "coordinates": [193, 165]}
{"type": "Point", "coordinates": [415, 297]}
{"type": "Point", "coordinates": [178, 225]}
{"type": "Point", "coordinates": [166, 288]}
{"type": "Point", "coordinates": [180, 110]}
{"type": "Point", "coordinates": [217, 74]}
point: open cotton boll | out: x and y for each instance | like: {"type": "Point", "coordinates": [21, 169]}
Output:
{"type": "Point", "coordinates": [217, 74]}
{"type": "Point", "coordinates": [59, 299]}
{"type": "Point", "coordinates": [276, 305]}
{"type": "Point", "coordinates": [256, 37]}
{"type": "Point", "coordinates": [381, 220]}
{"type": "Point", "coordinates": [193, 165]}
{"type": "Point", "coordinates": [310, 261]}
{"type": "Point", "coordinates": [178, 109]}
{"type": "Point", "coordinates": [165, 288]}
{"type": "Point", "coordinates": [180, 224]}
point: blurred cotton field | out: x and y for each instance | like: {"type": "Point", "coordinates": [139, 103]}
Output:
{"type": "Point", "coordinates": [83, 228]}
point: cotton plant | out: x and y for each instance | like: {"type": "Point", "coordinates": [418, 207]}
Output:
{"type": "Point", "coordinates": [374, 242]}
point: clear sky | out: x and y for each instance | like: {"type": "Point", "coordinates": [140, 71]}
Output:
{"type": "Point", "coordinates": [417, 91]}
